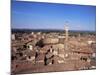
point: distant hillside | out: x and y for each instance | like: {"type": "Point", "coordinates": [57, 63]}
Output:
{"type": "Point", "coordinates": [71, 32]}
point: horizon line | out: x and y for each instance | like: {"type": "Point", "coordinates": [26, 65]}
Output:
{"type": "Point", "coordinates": [49, 29]}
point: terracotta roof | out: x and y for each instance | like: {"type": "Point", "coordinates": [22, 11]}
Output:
{"type": "Point", "coordinates": [40, 57]}
{"type": "Point", "coordinates": [84, 50]}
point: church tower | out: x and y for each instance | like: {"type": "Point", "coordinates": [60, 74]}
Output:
{"type": "Point", "coordinates": [66, 41]}
{"type": "Point", "coordinates": [66, 37]}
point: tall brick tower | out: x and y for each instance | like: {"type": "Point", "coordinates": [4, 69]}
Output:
{"type": "Point", "coordinates": [66, 36]}
{"type": "Point", "coordinates": [66, 41]}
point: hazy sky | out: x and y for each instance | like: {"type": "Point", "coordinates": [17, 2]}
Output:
{"type": "Point", "coordinates": [35, 15]}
